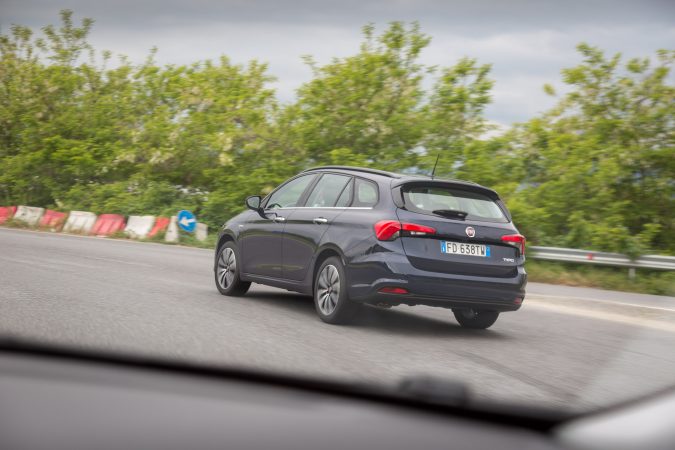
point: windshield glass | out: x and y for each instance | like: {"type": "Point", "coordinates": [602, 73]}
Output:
{"type": "Point", "coordinates": [441, 200]}
{"type": "Point", "coordinates": [132, 133]}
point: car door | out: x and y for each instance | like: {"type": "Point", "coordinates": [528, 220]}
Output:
{"type": "Point", "coordinates": [262, 237]}
{"type": "Point", "coordinates": [306, 225]}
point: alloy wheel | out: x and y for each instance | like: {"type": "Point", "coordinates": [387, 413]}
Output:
{"type": "Point", "coordinates": [328, 290]}
{"type": "Point", "coordinates": [227, 267]}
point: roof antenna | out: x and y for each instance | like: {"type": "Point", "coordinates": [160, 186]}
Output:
{"type": "Point", "coordinates": [435, 164]}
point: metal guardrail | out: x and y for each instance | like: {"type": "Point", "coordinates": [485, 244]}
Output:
{"type": "Point", "coordinates": [657, 262]}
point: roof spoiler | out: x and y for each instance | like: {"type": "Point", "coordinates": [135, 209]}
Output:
{"type": "Point", "coordinates": [455, 184]}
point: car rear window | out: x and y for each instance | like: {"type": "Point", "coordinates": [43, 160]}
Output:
{"type": "Point", "coordinates": [427, 199]}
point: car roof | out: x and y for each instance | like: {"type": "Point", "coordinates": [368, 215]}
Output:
{"type": "Point", "coordinates": [400, 179]}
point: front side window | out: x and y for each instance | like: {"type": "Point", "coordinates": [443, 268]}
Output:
{"type": "Point", "coordinates": [289, 194]}
{"type": "Point", "coordinates": [327, 190]}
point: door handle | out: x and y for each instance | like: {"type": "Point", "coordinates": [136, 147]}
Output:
{"type": "Point", "coordinates": [279, 219]}
{"type": "Point", "coordinates": [320, 220]}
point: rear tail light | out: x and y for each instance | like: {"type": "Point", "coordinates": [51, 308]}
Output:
{"type": "Point", "coordinates": [517, 240]}
{"type": "Point", "coordinates": [413, 229]}
{"type": "Point", "coordinates": [388, 230]}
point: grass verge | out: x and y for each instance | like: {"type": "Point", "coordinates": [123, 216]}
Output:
{"type": "Point", "coordinates": [657, 282]}
{"type": "Point", "coordinates": [12, 223]}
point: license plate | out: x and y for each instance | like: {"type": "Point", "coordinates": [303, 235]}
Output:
{"type": "Point", "coordinates": [459, 248]}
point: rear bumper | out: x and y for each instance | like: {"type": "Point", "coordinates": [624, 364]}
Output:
{"type": "Point", "coordinates": [388, 269]}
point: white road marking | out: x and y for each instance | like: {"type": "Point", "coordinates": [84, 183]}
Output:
{"type": "Point", "coordinates": [597, 300]}
{"type": "Point", "coordinates": [664, 325]}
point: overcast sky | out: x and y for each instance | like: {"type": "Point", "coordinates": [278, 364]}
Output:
{"type": "Point", "coordinates": [526, 41]}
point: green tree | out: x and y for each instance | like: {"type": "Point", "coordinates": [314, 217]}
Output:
{"type": "Point", "coordinates": [60, 120]}
{"type": "Point", "coordinates": [367, 104]}
{"type": "Point", "coordinates": [454, 116]}
{"type": "Point", "coordinates": [599, 169]}
{"type": "Point", "coordinates": [371, 109]}
{"type": "Point", "coordinates": [78, 135]}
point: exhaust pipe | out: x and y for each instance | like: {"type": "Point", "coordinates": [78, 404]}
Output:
{"type": "Point", "coordinates": [383, 305]}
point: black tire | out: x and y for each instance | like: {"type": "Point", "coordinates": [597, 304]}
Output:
{"type": "Point", "coordinates": [332, 307]}
{"type": "Point", "coordinates": [227, 278]}
{"type": "Point", "coordinates": [475, 318]}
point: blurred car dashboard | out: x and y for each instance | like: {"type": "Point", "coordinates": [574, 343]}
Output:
{"type": "Point", "coordinates": [61, 399]}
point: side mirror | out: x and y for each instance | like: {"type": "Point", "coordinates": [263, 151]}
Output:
{"type": "Point", "coordinates": [253, 202]}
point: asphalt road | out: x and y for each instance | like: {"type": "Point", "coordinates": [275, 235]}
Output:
{"type": "Point", "coordinates": [567, 347]}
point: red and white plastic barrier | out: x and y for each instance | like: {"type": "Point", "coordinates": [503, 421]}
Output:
{"type": "Point", "coordinates": [29, 214]}
{"type": "Point", "coordinates": [53, 220]}
{"type": "Point", "coordinates": [202, 231]}
{"type": "Point", "coordinates": [160, 226]}
{"type": "Point", "coordinates": [138, 227]}
{"type": "Point", "coordinates": [6, 213]}
{"type": "Point", "coordinates": [108, 224]}
{"type": "Point", "coordinates": [85, 222]}
{"type": "Point", "coordinates": [80, 222]}
{"type": "Point", "coordinates": [172, 230]}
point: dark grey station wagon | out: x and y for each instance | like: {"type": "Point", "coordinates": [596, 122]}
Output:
{"type": "Point", "coordinates": [350, 236]}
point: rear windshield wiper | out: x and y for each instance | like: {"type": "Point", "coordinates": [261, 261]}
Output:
{"type": "Point", "coordinates": [451, 213]}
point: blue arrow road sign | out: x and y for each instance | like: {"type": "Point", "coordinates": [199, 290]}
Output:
{"type": "Point", "coordinates": [187, 221]}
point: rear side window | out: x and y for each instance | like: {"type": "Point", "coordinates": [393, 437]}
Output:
{"type": "Point", "coordinates": [365, 193]}
{"type": "Point", "coordinates": [445, 202]}
{"type": "Point", "coordinates": [327, 190]}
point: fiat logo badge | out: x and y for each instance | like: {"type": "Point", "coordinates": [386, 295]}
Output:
{"type": "Point", "coordinates": [470, 231]}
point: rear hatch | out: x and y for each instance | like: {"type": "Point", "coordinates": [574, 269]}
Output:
{"type": "Point", "coordinates": [466, 229]}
